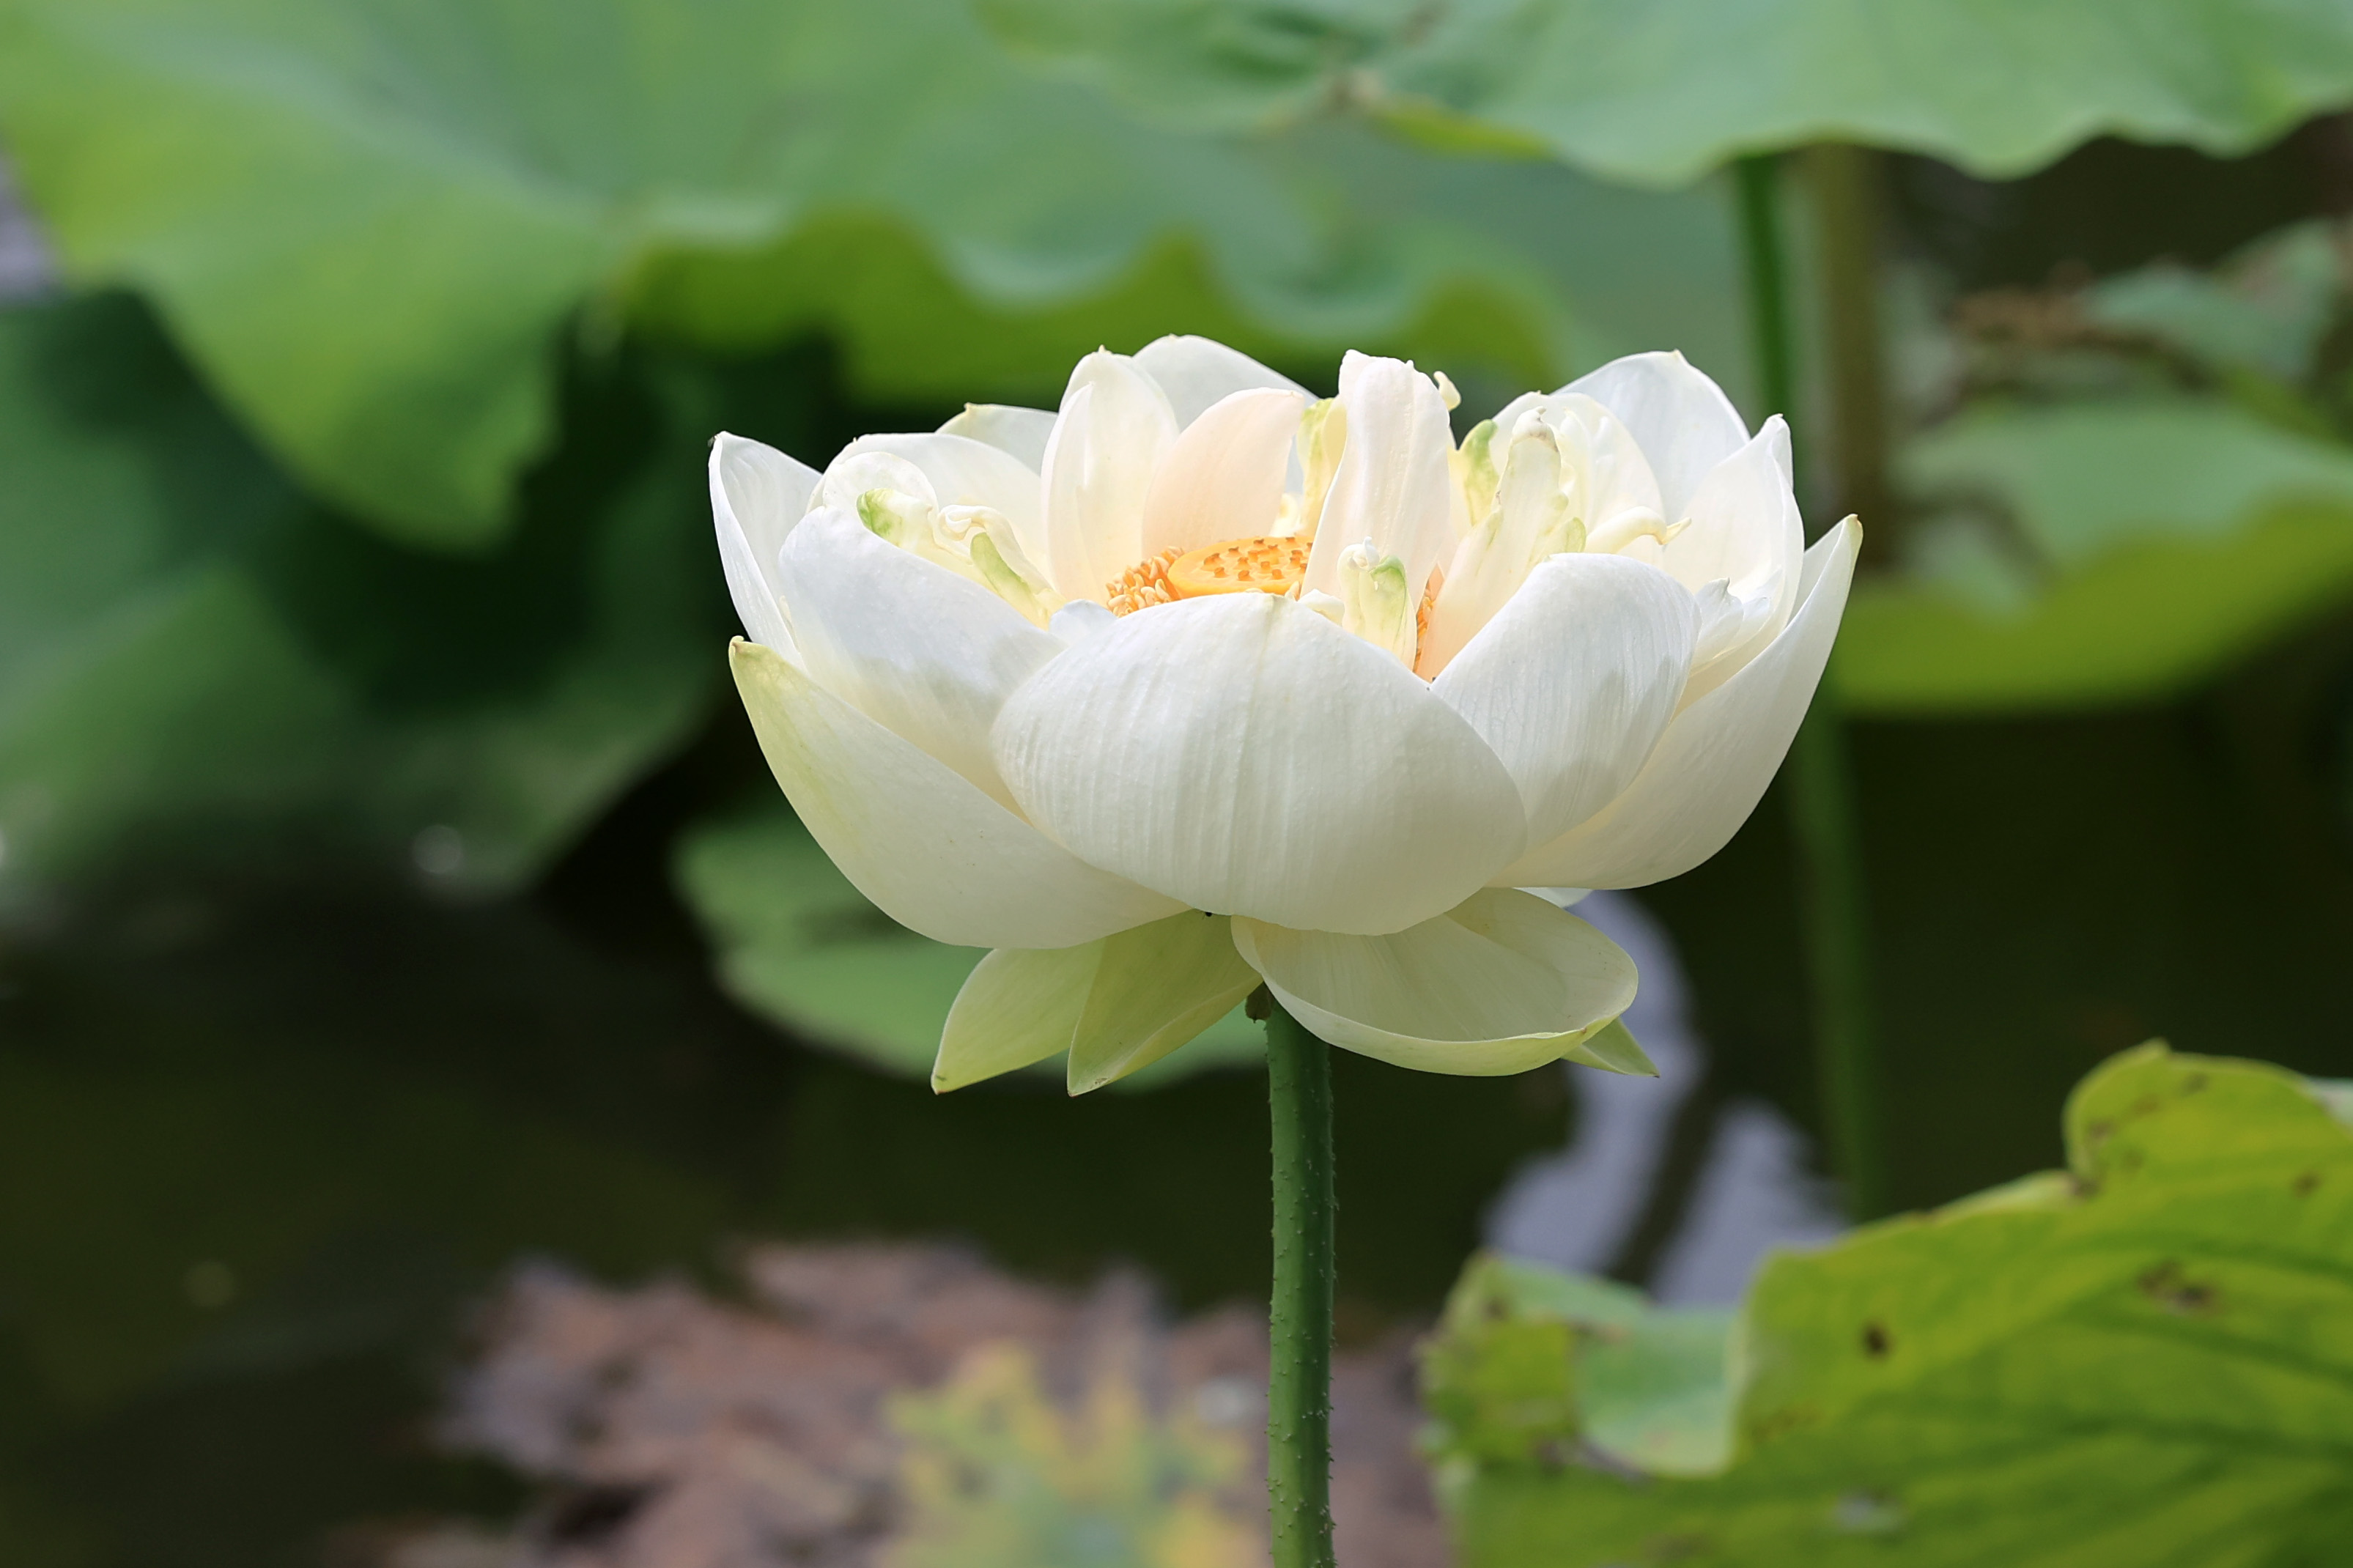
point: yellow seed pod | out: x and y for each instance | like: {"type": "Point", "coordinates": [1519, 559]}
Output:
{"type": "Point", "coordinates": [1239, 567]}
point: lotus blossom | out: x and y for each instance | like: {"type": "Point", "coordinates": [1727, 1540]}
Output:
{"type": "Point", "coordinates": [1199, 683]}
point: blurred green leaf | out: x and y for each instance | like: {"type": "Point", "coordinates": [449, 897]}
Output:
{"type": "Point", "coordinates": [2145, 546]}
{"type": "Point", "coordinates": [188, 649]}
{"type": "Point", "coordinates": [372, 224]}
{"type": "Point", "coordinates": [2145, 1359]}
{"type": "Point", "coordinates": [802, 947]}
{"type": "Point", "coordinates": [1662, 93]}
{"type": "Point", "coordinates": [1529, 1362]}
{"type": "Point", "coordinates": [2265, 309]}
{"type": "Point", "coordinates": [1508, 274]}
{"type": "Point", "coordinates": [2081, 480]}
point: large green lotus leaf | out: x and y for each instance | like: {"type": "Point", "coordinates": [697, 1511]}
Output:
{"type": "Point", "coordinates": [2153, 544]}
{"type": "Point", "coordinates": [371, 222]}
{"type": "Point", "coordinates": [2145, 1359]}
{"type": "Point", "coordinates": [189, 650]}
{"type": "Point", "coordinates": [1663, 92]}
{"type": "Point", "coordinates": [802, 947]}
{"type": "Point", "coordinates": [1509, 275]}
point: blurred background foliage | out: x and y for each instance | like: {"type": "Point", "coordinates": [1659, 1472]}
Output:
{"type": "Point", "coordinates": [388, 884]}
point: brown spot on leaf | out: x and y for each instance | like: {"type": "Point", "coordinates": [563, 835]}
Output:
{"type": "Point", "coordinates": [2306, 1184]}
{"type": "Point", "coordinates": [2170, 1287]}
{"type": "Point", "coordinates": [1779, 1423]}
{"type": "Point", "coordinates": [2191, 1083]}
{"type": "Point", "coordinates": [1875, 1342]}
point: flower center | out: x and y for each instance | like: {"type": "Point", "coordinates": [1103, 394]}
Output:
{"type": "Point", "coordinates": [1262, 565]}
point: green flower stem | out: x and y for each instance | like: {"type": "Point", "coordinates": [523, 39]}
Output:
{"type": "Point", "coordinates": [1299, 1385]}
{"type": "Point", "coordinates": [1819, 775]}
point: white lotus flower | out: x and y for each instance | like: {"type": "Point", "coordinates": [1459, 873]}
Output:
{"type": "Point", "coordinates": [1200, 682]}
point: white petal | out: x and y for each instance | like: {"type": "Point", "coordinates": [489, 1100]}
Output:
{"type": "Point", "coordinates": [1079, 620]}
{"type": "Point", "coordinates": [1393, 486]}
{"type": "Point", "coordinates": [1712, 765]}
{"type": "Point", "coordinates": [1685, 423]}
{"type": "Point", "coordinates": [1743, 528]}
{"type": "Point", "coordinates": [1731, 632]}
{"type": "Point", "coordinates": [1157, 986]}
{"type": "Point", "coordinates": [1246, 755]}
{"type": "Point", "coordinates": [1019, 1005]}
{"type": "Point", "coordinates": [1223, 477]}
{"type": "Point", "coordinates": [929, 654]}
{"type": "Point", "coordinates": [757, 494]}
{"type": "Point", "coordinates": [1574, 680]}
{"type": "Point", "coordinates": [1114, 425]}
{"type": "Point", "coordinates": [1532, 517]}
{"type": "Point", "coordinates": [961, 471]}
{"type": "Point", "coordinates": [1507, 417]}
{"type": "Point", "coordinates": [1019, 432]}
{"type": "Point", "coordinates": [1499, 984]}
{"type": "Point", "coordinates": [923, 843]}
{"type": "Point", "coordinates": [1197, 373]}
{"type": "Point", "coordinates": [1613, 476]}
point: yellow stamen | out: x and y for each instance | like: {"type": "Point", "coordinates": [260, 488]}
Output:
{"type": "Point", "coordinates": [1141, 586]}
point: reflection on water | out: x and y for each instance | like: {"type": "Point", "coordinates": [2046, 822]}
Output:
{"type": "Point", "coordinates": [27, 266]}
{"type": "Point", "coordinates": [897, 1406]}
{"type": "Point", "coordinates": [1616, 1201]}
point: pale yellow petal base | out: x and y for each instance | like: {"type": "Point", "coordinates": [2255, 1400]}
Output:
{"type": "Point", "coordinates": [1117, 1006]}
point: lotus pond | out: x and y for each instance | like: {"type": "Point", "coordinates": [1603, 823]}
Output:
{"type": "Point", "coordinates": [409, 972]}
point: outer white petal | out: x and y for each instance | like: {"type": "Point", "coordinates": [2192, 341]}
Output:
{"type": "Point", "coordinates": [1157, 986]}
{"type": "Point", "coordinates": [1745, 527]}
{"type": "Point", "coordinates": [1019, 432]}
{"type": "Point", "coordinates": [962, 472]}
{"type": "Point", "coordinates": [1223, 477]}
{"type": "Point", "coordinates": [1245, 756]}
{"type": "Point", "coordinates": [1685, 423]}
{"type": "Point", "coordinates": [916, 836]}
{"type": "Point", "coordinates": [1393, 485]}
{"type": "Point", "coordinates": [1197, 373]}
{"type": "Point", "coordinates": [1080, 619]}
{"type": "Point", "coordinates": [927, 654]}
{"type": "Point", "coordinates": [1499, 984]}
{"type": "Point", "coordinates": [1114, 425]}
{"type": "Point", "coordinates": [1712, 765]}
{"type": "Point", "coordinates": [757, 494]}
{"type": "Point", "coordinates": [1574, 681]}
{"type": "Point", "coordinates": [1019, 1005]}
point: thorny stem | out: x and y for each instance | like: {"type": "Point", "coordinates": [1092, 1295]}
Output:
{"type": "Point", "coordinates": [1298, 1391]}
{"type": "Point", "coordinates": [1820, 776]}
